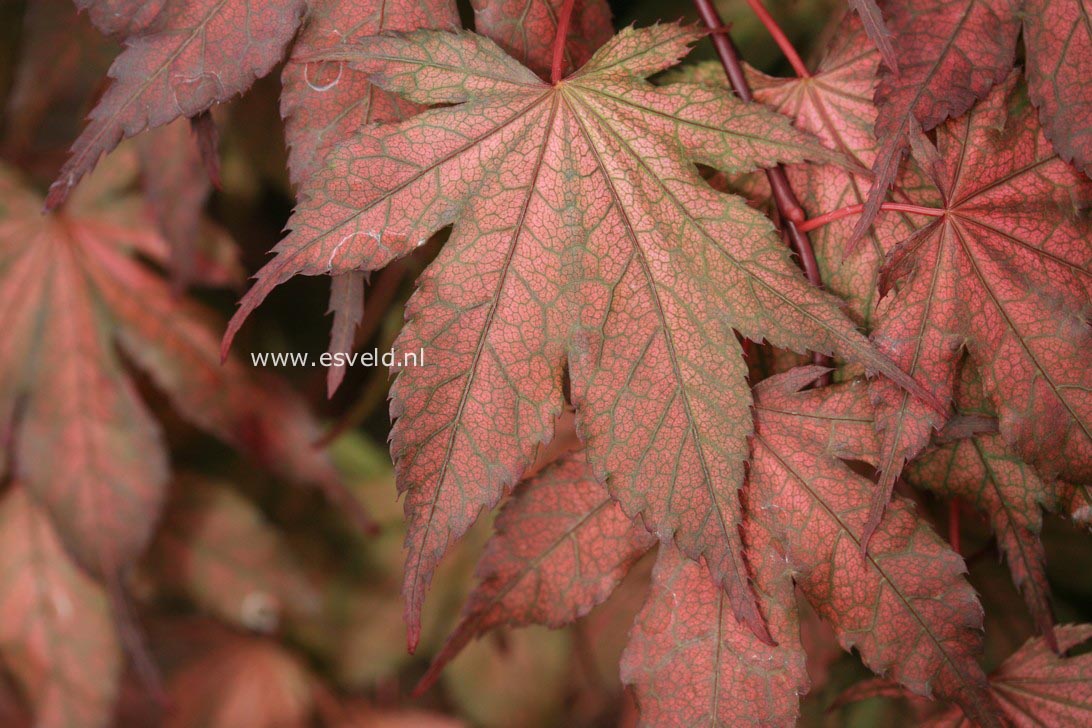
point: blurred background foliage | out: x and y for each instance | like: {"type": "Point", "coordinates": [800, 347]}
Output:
{"type": "Point", "coordinates": [262, 605]}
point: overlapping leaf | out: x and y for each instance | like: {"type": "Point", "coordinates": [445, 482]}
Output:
{"type": "Point", "coordinates": [905, 606]}
{"type": "Point", "coordinates": [1006, 271]}
{"type": "Point", "coordinates": [526, 29]}
{"type": "Point", "coordinates": [77, 306]}
{"type": "Point", "coordinates": [561, 547]}
{"type": "Point", "coordinates": [691, 663]}
{"type": "Point", "coordinates": [1037, 687]}
{"type": "Point", "coordinates": [583, 233]}
{"type": "Point", "coordinates": [835, 104]}
{"type": "Point", "coordinates": [191, 56]}
{"type": "Point", "coordinates": [952, 52]}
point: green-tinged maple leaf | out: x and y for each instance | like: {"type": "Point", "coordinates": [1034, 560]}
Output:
{"type": "Point", "coordinates": [1036, 687]}
{"type": "Point", "coordinates": [326, 103]}
{"type": "Point", "coordinates": [56, 632]}
{"type": "Point", "coordinates": [78, 306]}
{"type": "Point", "coordinates": [216, 548]}
{"type": "Point", "coordinates": [1005, 271]}
{"type": "Point", "coordinates": [583, 235]}
{"type": "Point", "coordinates": [561, 547]}
{"type": "Point", "coordinates": [836, 105]}
{"type": "Point", "coordinates": [905, 606]}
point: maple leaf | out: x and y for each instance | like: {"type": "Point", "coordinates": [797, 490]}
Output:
{"type": "Point", "coordinates": [1005, 271]}
{"type": "Point", "coordinates": [561, 547]}
{"type": "Point", "coordinates": [983, 472]}
{"type": "Point", "coordinates": [954, 51]}
{"type": "Point", "coordinates": [905, 606]}
{"type": "Point", "coordinates": [951, 53]}
{"type": "Point", "coordinates": [78, 306]}
{"type": "Point", "coordinates": [835, 104]}
{"type": "Point", "coordinates": [583, 233]}
{"type": "Point", "coordinates": [324, 104]}
{"type": "Point", "coordinates": [691, 663]}
{"type": "Point", "coordinates": [56, 633]}
{"type": "Point", "coordinates": [189, 58]}
{"type": "Point", "coordinates": [872, 21]}
{"type": "Point", "coordinates": [1036, 687]}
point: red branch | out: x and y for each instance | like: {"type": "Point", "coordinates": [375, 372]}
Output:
{"type": "Point", "coordinates": [780, 38]}
{"type": "Point", "coordinates": [829, 217]}
{"type": "Point", "coordinates": [785, 199]}
{"type": "Point", "coordinates": [563, 20]}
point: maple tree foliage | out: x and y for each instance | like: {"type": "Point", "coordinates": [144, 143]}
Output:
{"type": "Point", "coordinates": [622, 265]}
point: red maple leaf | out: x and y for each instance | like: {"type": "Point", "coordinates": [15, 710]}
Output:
{"type": "Point", "coordinates": [543, 267]}
{"type": "Point", "coordinates": [1005, 270]}
{"type": "Point", "coordinates": [905, 605]}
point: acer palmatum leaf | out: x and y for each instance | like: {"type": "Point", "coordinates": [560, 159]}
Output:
{"type": "Point", "coordinates": [583, 233]}
{"type": "Point", "coordinates": [73, 298]}
{"type": "Point", "coordinates": [951, 53]}
{"type": "Point", "coordinates": [1036, 687]}
{"type": "Point", "coordinates": [905, 606]}
{"type": "Point", "coordinates": [326, 103]}
{"type": "Point", "coordinates": [983, 472]}
{"type": "Point", "coordinates": [196, 53]}
{"type": "Point", "coordinates": [526, 30]}
{"type": "Point", "coordinates": [836, 105]}
{"type": "Point", "coordinates": [561, 547]}
{"type": "Point", "coordinates": [1058, 38]}
{"type": "Point", "coordinates": [691, 663]}
{"type": "Point", "coordinates": [57, 636]}
{"type": "Point", "coordinates": [1006, 273]}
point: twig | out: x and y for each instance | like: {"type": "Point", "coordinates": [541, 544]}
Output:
{"type": "Point", "coordinates": [780, 38]}
{"type": "Point", "coordinates": [829, 217]}
{"type": "Point", "coordinates": [788, 205]}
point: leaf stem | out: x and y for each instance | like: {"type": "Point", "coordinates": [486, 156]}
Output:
{"type": "Point", "coordinates": [788, 205]}
{"type": "Point", "coordinates": [563, 20]}
{"type": "Point", "coordinates": [829, 217]}
{"type": "Point", "coordinates": [780, 38]}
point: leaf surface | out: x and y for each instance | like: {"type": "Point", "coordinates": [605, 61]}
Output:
{"type": "Point", "coordinates": [561, 547]}
{"type": "Point", "coordinates": [192, 56]}
{"type": "Point", "coordinates": [1036, 687]}
{"type": "Point", "coordinates": [583, 233]}
{"type": "Point", "coordinates": [1007, 273]}
{"type": "Point", "coordinates": [1058, 37]}
{"type": "Point", "coordinates": [905, 606]}
{"type": "Point", "coordinates": [691, 663]}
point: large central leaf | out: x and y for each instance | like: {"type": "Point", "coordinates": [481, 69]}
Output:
{"type": "Point", "coordinates": [584, 239]}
